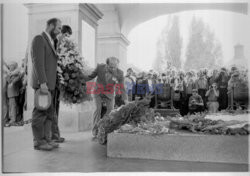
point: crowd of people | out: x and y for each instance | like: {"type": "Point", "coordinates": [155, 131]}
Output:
{"type": "Point", "coordinates": [14, 92]}
{"type": "Point", "coordinates": [191, 91]}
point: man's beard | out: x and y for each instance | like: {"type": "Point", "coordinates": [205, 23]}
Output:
{"type": "Point", "coordinates": [52, 34]}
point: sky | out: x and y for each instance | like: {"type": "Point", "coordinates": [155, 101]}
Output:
{"type": "Point", "coordinates": [230, 29]}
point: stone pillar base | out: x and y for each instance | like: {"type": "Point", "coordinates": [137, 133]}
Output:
{"type": "Point", "coordinates": [71, 119]}
{"type": "Point", "coordinates": [75, 121]}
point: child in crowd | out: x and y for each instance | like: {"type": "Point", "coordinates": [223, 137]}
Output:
{"type": "Point", "coordinates": [195, 102]}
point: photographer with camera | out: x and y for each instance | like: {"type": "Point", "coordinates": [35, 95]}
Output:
{"type": "Point", "coordinates": [212, 95]}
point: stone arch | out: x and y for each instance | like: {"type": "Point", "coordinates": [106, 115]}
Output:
{"type": "Point", "coordinates": [139, 13]}
{"type": "Point", "coordinates": [120, 19]}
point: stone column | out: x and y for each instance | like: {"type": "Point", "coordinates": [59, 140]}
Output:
{"type": "Point", "coordinates": [1, 35]}
{"type": "Point", "coordinates": [75, 117]}
{"type": "Point", "coordinates": [1, 61]}
{"type": "Point", "coordinates": [113, 45]}
{"type": "Point", "coordinates": [111, 42]}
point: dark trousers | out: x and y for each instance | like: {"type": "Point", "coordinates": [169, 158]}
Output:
{"type": "Point", "coordinates": [202, 93]}
{"type": "Point", "coordinates": [21, 102]}
{"type": "Point", "coordinates": [197, 109]}
{"type": "Point", "coordinates": [223, 99]}
{"type": "Point", "coordinates": [41, 123]}
{"type": "Point", "coordinates": [55, 129]}
{"type": "Point", "coordinates": [187, 101]}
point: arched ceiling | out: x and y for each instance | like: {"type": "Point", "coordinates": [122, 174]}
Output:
{"type": "Point", "coordinates": [130, 15]}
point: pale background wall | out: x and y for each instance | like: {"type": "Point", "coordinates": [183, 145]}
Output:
{"type": "Point", "coordinates": [15, 27]}
{"type": "Point", "coordinates": [88, 47]}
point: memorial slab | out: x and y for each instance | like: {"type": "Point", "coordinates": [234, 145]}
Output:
{"type": "Point", "coordinates": [179, 147]}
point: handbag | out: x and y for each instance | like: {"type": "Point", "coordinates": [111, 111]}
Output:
{"type": "Point", "coordinates": [42, 100]}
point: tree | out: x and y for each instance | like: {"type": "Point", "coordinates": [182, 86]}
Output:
{"type": "Point", "coordinates": [160, 55]}
{"type": "Point", "coordinates": [174, 43]}
{"type": "Point", "coordinates": [169, 46]}
{"type": "Point", "coordinates": [203, 50]}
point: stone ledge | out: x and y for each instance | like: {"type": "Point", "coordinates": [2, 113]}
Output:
{"type": "Point", "coordinates": [179, 147]}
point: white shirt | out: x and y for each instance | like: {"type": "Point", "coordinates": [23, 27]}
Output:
{"type": "Point", "coordinates": [128, 83]}
{"type": "Point", "coordinates": [51, 41]}
{"type": "Point", "coordinates": [150, 84]}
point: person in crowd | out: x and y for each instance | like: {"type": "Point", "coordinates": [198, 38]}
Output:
{"type": "Point", "coordinates": [165, 94]}
{"type": "Point", "coordinates": [168, 76]}
{"type": "Point", "coordinates": [190, 85]}
{"type": "Point", "coordinates": [233, 69]}
{"type": "Point", "coordinates": [108, 73]}
{"type": "Point", "coordinates": [138, 81]}
{"type": "Point", "coordinates": [151, 87]}
{"type": "Point", "coordinates": [22, 92]}
{"type": "Point", "coordinates": [205, 72]}
{"type": "Point", "coordinates": [175, 86]}
{"type": "Point", "coordinates": [181, 87]}
{"type": "Point", "coordinates": [129, 83]}
{"type": "Point", "coordinates": [202, 86]}
{"type": "Point", "coordinates": [222, 82]}
{"type": "Point", "coordinates": [66, 32]}
{"type": "Point", "coordinates": [212, 95]}
{"type": "Point", "coordinates": [25, 80]}
{"type": "Point", "coordinates": [163, 79]}
{"type": "Point", "coordinates": [155, 77]}
{"type": "Point", "coordinates": [194, 74]}
{"type": "Point", "coordinates": [141, 85]}
{"type": "Point", "coordinates": [43, 76]}
{"type": "Point", "coordinates": [13, 87]}
{"type": "Point", "coordinates": [212, 79]}
{"type": "Point", "coordinates": [173, 78]}
{"type": "Point", "coordinates": [196, 103]}
{"type": "Point", "coordinates": [232, 83]}
{"type": "Point", "coordinates": [4, 94]}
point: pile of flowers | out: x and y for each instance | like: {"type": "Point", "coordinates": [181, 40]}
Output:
{"type": "Point", "coordinates": [157, 127]}
{"type": "Point", "coordinates": [199, 124]}
{"type": "Point", "coordinates": [71, 70]}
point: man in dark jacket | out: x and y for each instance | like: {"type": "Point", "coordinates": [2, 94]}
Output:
{"type": "Point", "coordinates": [109, 76]}
{"type": "Point", "coordinates": [44, 71]}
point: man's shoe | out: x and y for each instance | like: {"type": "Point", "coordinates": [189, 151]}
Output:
{"type": "Point", "coordinates": [53, 144]}
{"type": "Point", "coordinates": [59, 140]}
{"type": "Point", "coordinates": [45, 147]}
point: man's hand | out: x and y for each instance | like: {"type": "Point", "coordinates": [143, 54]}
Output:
{"type": "Point", "coordinates": [10, 84]}
{"type": "Point", "coordinates": [44, 88]}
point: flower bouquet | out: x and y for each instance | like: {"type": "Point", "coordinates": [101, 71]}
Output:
{"type": "Point", "coordinates": [70, 71]}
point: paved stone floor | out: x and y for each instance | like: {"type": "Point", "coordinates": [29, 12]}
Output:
{"type": "Point", "coordinates": [80, 154]}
